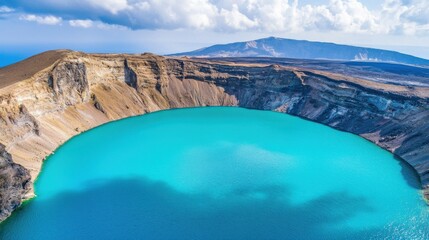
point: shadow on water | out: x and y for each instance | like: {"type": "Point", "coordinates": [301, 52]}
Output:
{"type": "Point", "coordinates": [142, 209]}
{"type": "Point", "coordinates": [409, 173]}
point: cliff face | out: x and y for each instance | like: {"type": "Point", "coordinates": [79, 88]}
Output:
{"type": "Point", "coordinates": [14, 183]}
{"type": "Point", "coordinates": [79, 91]}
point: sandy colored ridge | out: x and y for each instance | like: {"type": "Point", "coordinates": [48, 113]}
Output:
{"type": "Point", "coordinates": [30, 66]}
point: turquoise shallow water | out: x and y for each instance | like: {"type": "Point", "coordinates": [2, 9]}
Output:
{"type": "Point", "coordinates": [221, 173]}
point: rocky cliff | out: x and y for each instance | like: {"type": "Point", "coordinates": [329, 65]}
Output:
{"type": "Point", "coordinates": [15, 183]}
{"type": "Point", "coordinates": [77, 91]}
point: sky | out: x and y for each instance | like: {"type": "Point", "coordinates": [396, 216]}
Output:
{"type": "Point", "coordinates": [170, 26]}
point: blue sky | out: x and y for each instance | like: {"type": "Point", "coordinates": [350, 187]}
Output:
{"type": "Point", "coordinates": [168, 26]}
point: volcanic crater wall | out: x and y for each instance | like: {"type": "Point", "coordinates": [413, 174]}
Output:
{"type": "Point", "coordinates": [81, 91]}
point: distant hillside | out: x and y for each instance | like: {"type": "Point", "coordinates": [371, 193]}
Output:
{"type": "Point", "coordinates": [288, 48]}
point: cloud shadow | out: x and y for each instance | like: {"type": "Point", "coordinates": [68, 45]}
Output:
{"type": "Point", "coordinates": [143, 209]}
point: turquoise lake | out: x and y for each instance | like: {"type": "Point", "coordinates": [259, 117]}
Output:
{"type": "Point", "coordinates": [221, 173]}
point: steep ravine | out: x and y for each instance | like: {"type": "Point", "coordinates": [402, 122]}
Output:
{"type": "Point", "coordinates": [81, 91]}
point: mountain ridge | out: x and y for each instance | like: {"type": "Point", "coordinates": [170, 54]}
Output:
{"type": "Point", "coordinates": [303, 49]}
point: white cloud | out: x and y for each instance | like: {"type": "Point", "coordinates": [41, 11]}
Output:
{"type": "Point", "coordinates": [282, 15]}
{"type": "Point", "coordinates": [48, 20]}
{"type": "Point", "coordinates": [411, 17]}
{"type": "Point", "coordinates": [113, 6]}
{"type": "Point", "coordinates": [262, 15]}
{"type": "Point", "coordinates": [5, 9]}
{"type": "Point", "coordinates": [269, 15]}
{"type": "Point", "coordinates": [350, 16]}
{"type": "Point", "coordinates": [81, 23]}
{"type": "Point", "coordinates": [339, 15]}
{"type": "Point", "coordinates": [169, 14]}
{"type": "Point", "coordinates": [240, 15]}
{"type": "Point", "coordinates": [236, 20]}
{"type": "Point", "coordinates": [86, 23]}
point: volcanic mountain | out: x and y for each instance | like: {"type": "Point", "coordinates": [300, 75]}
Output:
{"type": "Point", "coordinates": [289, 48]}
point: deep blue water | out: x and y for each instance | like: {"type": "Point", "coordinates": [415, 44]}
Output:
{"type": "Point", "coordinates": [221, 173]}
{"type": "Point", "coordinates": [11, 58]}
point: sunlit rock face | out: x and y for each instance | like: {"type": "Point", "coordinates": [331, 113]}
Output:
{"type": "Point", "coordinates": [42, 109]}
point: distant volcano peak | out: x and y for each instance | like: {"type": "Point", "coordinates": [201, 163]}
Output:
{"type": "Point", "coordinates": [303, 49]}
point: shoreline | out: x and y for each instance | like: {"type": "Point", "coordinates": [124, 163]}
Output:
{"type": "Point", "coordinates": [33, 195]}
{"type": "Point", "coordinates": [81, 91]}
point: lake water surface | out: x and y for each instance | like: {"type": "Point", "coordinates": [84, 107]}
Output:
{"type": "Point", "coordinates": [221, 173]}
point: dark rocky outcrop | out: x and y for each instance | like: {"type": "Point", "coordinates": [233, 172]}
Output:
{"type": "Point", "coordinates": [14, 183]}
